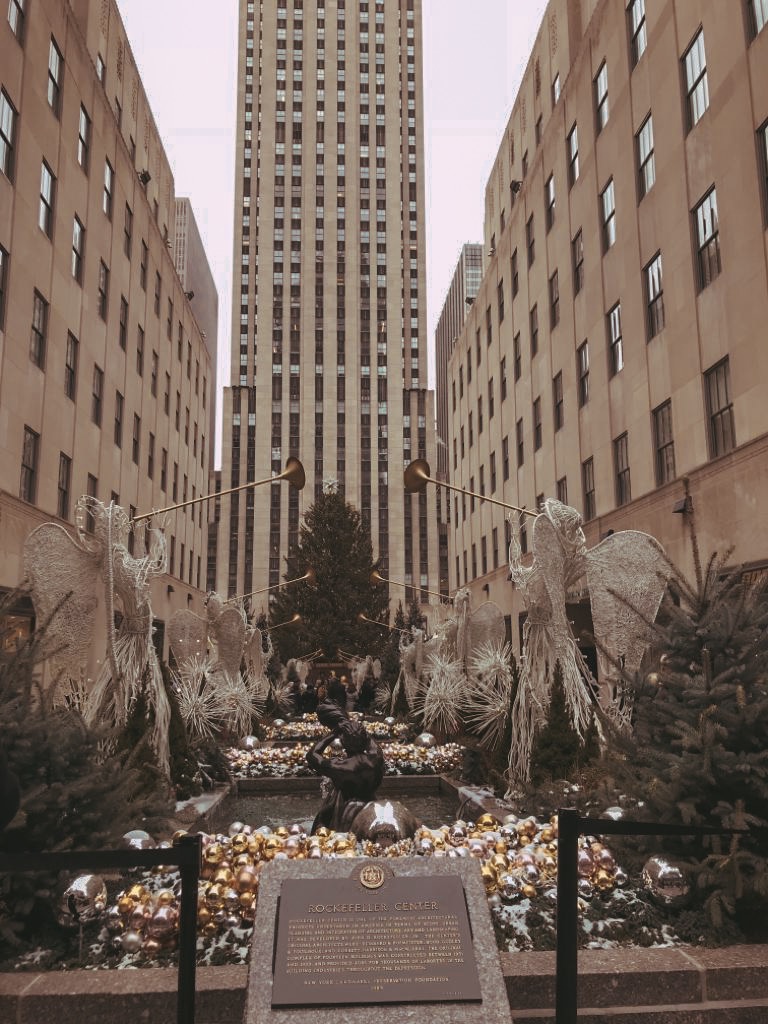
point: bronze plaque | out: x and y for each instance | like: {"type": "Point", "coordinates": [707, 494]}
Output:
{"type": "Point", "coordinates": [373, 938]}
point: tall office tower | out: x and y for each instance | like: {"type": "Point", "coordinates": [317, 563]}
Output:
{"type": "Point", "coordinates": [622, 310]}
{"type": "Point", "coordinates": [329, 354]}
{"type": "Point", "coordinates": [461, 294]}
{"type": "Point", "coordinates": [199, 289]}
{"type": "Point", "coordinates": [106, 383]}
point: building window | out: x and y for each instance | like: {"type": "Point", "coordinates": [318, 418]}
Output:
{"type": "Point", "coordinates": [143, 265]}
{"type": "Point", "coordinates": [136, 439]}
{"type": "Point", "coordinates": [554, 301]}
{"type": "Point", "coordinates": [70, 366]}
{"type": "Point", "coordinates": [29, 454]}
{"type": "Point", "coordinates": [491, 403]}
{"type": "Point", "coordinates": [122, 334]}
{"type": "Point", "coordinates": [488, 327]}
{"type": "Point", "coordinates": [555, 90]}
{"type": "Point", "coordinates": [505, 458]}
{"type": "Point", "coordinates": [515, 275]}
{"type": "Point", "coordinates": [39, 332]}
{"type": "Point", "coordinates": [762, 147]}
{"type": "Point", "coordinates": [16, 18]}
{"type": "Point", "coordinates": [577, 257]}
{"type": "Point", "coordinates": [103, 290]}
{"type": "Point", "coordinates": [65, 474]}
{"type": "Point", "coordinates": [55, 62]}
{"type": "Point", "coordinates": [601, 97]}
{"type": "Point", "coordinates": [646, 165]}
{"type": "Point", "coordinates": [615, 344]}
{"type": "Point", "coordinates": [78, 249]}
{"type": "Point", "coordinates": [164, 470]}
{"type": "Point", "coordinates": [84, 139]}
{"type": "Point", "coordinates": [573, 156]}
{"type": "Point", "coordinates": [530, 241]}
{"type": "Point", "coordinates": [608, 207]}
{"type": "Point", "coordinates": [503, 378]}
{"type": "Point", "coordinates": [582, 373]}
{"type": "Point", "coordinates": [588, 487]}
{"type": "Point", "coordinates": [158, 291]}
{"type": "Point", "coordinates": [128, 231]}
{"type": "Point", "coordinates": [561, 490]}
{"type": "Point", "coordinates": [107, 197]}
{"type": "Point", "coordinates": [557, 400]}
{"type": "Point", "coordinates": [621, 468]}
{"type": "Point", "coordinates": [549, 201]}
{"type": "Point", "coordinates": [154, 372]}
{"type": "Point", "coordinates": [654, 294]}
{"type": "Point", "coordinates": [493, 471]}
{"type": "Point", "coordinates": [758, 16]}
{"type": "Point", "coordinates": [92, 490]}
{"type": "Point", "coordinates": [47, 194]}
{"type": "Point", "coordinates": [722, 435]}
{"type": "Point", "coordinates": [7, 134]}
{"type": "Point", "coordinates": [97, 395]}
{"type": "Point", "coordinates": [638, 36]}
{"type": "Point", "coordinates": [140, 350]}
{"type": "Point", "coordinates": [119, 408]}
{"type": "Point", "coordinates": [500, 299]}
{"type": "Point", "coordinates": [520, 443]}
{"type": "Point", "coordinates": [696, 87]}
{"type": "Point", "coordinates": [4, 260]}
{"type": "Point", "coordinates": [533, 319]}
{"type": "Point", "coordinates": [151, 457]}
{"type": "Point", "coordinates": [664, 443]}
{"type": "Point", "coordinates": [707, 239]}
{"type": "Point", "coordinates": [101, 68]}
{"type": "Point", "coordinates": [537, 431]}
{"type": "Point", "coordinates": [517, 351]}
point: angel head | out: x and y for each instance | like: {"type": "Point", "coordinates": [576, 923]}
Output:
{"type": "Point", "coordinates": [567, 522]}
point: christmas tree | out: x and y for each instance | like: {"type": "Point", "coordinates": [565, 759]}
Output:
{"type": "Point", "coordinates": [335, 543]}
{"type": "Point", "coordinates": [699, 753]}
{"type": "Point", "coordinates": [557, 748]}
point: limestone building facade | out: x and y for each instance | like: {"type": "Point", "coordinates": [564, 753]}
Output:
{"type": "Point", "coordinates": [616, 344]}
{"type": "Point", "coordinates": [329, 350]}
{"type": "Point", "coordinates": [106, 384]}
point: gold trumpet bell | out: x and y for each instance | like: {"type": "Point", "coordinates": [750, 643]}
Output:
{"type": "Point", "coordinates": [416, 476]}
{"type": "Point", "coordinates": [294, 473]}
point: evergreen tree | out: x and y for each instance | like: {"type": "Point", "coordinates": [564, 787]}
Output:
{"type": "Point", "coordinates": [390, 654]}
{"type": "Point", "coordinates": [557, 746]}
{"type": "Point", "coordinates": [335, 543]}
{"type": "Point", "coordinates": [699, 753]}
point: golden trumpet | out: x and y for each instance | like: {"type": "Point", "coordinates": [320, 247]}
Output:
{"type": "Point", "coordinates": [293, 473]}
{"type": "Point", "coordinates": [417, 476]}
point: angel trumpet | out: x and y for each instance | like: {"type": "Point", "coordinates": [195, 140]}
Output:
{"type": "Point", "coordinates": [375, 622]}
{"type": "Point", "coordinates": [376, 577]}
{"type": "Point", "coordinates": [416, 477]}
{"type": "Point", "coordinates": [288, 622]}
{"type": "Point", "coordinates": [293, 473]}
{"type": "Point", "coordinates": [309, 576]}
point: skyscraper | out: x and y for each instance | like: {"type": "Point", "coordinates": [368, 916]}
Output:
{"type": "Point", "coordinates": [329, 355]}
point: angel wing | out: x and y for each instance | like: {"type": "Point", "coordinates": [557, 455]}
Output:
{"type": "Point", "coordinates": [486, 626]}
{"type": "Point", "coordinates": [65, 583]}
{"type": "Point", "coordinates": [627, 574]}
{"type": "Point", "coordinates": [187, 636]}
{"type": "Point", "coordinates": [254, 653]}
{"type": "Point", "coordinates": [228, 631]}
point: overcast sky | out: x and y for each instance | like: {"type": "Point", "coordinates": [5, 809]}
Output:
{"type": "Point", "coordinates": [475, 52]}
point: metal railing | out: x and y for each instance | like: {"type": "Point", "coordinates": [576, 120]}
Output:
{"type": "Point", "coordinates": [186, 855]}
{"type": "Point", "coordinates": [571, 825]}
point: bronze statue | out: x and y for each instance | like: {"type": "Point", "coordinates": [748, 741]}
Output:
{"type": "Point", "coordinates": [352, 781]}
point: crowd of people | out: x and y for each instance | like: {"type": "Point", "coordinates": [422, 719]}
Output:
{"type": "Point", "coordinates": [342, 690]}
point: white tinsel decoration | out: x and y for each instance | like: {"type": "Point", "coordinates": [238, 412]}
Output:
{"type": "Point", "coordinates": [439, 703]}
{"type": "Point", "coordinates": [200, 701]}
{"type": "Point", "coordinates": [486, 701]}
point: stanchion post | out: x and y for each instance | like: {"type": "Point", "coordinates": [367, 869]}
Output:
{"type": "Point", "coordinates": [190, 872]}
{"type": "Point", "coordinates": [566, 982]}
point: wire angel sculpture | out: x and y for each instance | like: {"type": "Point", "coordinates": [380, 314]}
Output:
{"type": "Point", "coordinates": [626, 575]}
{"type": "Point", "coordinates": [92, 572]}
{"type": "Point", "coordinates": [210, 653]}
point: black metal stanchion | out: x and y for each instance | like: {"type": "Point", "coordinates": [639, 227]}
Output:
{"type": "Point", "coordinates": [190, 852]}
{"type": "Point", "coordinates": [566, 981]}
